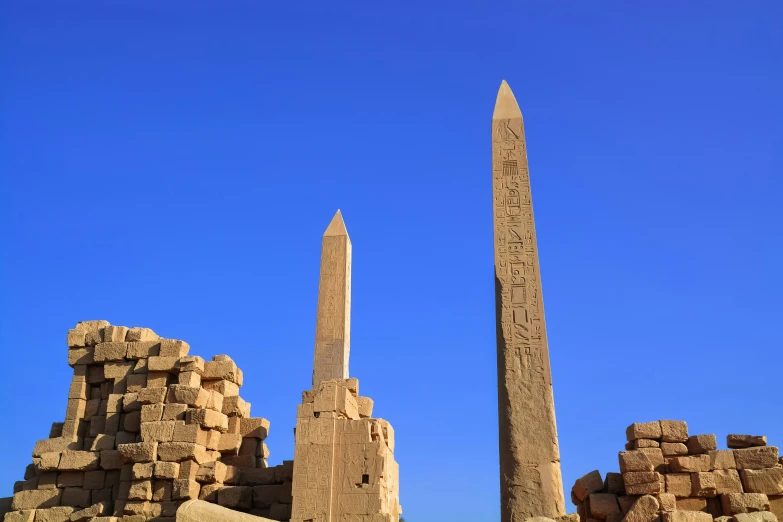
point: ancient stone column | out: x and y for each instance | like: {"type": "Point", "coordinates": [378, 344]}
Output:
{"type": "Point", "coordinates": [333, 320]}
{"type": "Point", "coordinates": [530, 479]}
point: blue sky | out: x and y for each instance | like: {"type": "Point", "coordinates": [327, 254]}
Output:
{"type": "Point", "coordinates": [174, 164]}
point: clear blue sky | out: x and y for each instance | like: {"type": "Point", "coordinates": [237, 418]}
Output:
{"type": "Point", "coordinates": [174, 164]}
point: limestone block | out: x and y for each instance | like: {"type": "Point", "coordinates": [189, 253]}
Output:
{"type": "Point", "coordinates": [211, 472]}
{"type": "Point", "coordinates": [221, 370]}
{"type": "Point", "coordinates": [645, 509]}
{"type": "Point", "coordinates": [722, 459]}
{"type": "Point", "coordinates": [132, 422]}
{"type": "Point", "coordinates": [216, 401]}
{"type": "Point", "coordinates": [54, 514]}
{"type": "Point", "coordinates": [94, 479]}
{"type": "Point", "coordinates": [727, 481]}
{"type": "Point", "coordinates": [140, 334]}
{"type": "Point", "coordinates": [138, 452]}
{"type": "Point", "coordinates": [224, 387]}
{"type": "Point", "coordinates": [110, 459]}
{"type": "Point", "coordinates": [761, 516]}
{"type": "Point", "coordinates": [163, 364]}
{"type": "Point", "coordinates": [698, 444]}
{"type": "Point", "coordinates": [49, 461]}
{"type": "Point", "coordinates": [190, 433]}
{"type": "Point", "coordinates": [136, 381]}
{"type": "Point", "coordinates": [152, 412]}
{"type": "Point", "coordinates": [26, 515]}
{"type": "Point", "coordinates": [364, 406]}
{"type": "Point", "coordinates": [201, 511]}
{"type": "Point", "coordinates": [209, 419]}
{"type": "Point", "coordinates": [230, 443]}
{"type": "Point", "coordinates": [55, 445]}
{"type": "Point", "coordinates": [587, 484]}
{"type": "Point", "coordinates": [674, 431]}
{"type": "Point", "coordinates": [160, 431]}
{"type": "Point", "coordinates": [643, 483]}
{"type": "Point", "coordinates": [191, 379]}
{"type": "Point", "coordinates": [283, 511]}
{"type": "Point", "coordinates": [734, 503]}
{"type": "Point", "coordinates": [79, 460]}
{"type": "Point", "coordinates": [209, 492]}
{"type": "Point", "coordinates": [689, 464]}
{"type": "Point", "coordinates": [188, 469]}
{"type": "Point", "coordinates": [195, 397]}
{"type": "Point", "coordinates": [602, 505]}
{"type": "Point", "coordinates": [250, 446]}
{"type": "Point", "coordinates": [643, 430]}
{"type": "Point", "coordinates": [192, 363]}
{"type": "Point", "coordinates": [78, 390]}
{"type": "Point", "coordinates": [735, 441]}
{"type": "Point", "coordinates": [75, 497]}
{"type": "Point", "coordinates": [141, 366]}
{"type": "Point", "coordinates": [704, 484]}
{"type": "Point", "coordinates": [173, 348]}
{"type": "Point", "coordinates": [258, 427]}
{"type": "Point", "coordinates": [673, 449]}
{"type": "Point", "coordinates": [79, 356]}
{"type": "Point", "coordinates": [679, 484]}
{"type": "Point", "coordinates": [140, 490]}
{"type": "Point", "coordinates": [142, 470]}
{"type": "Point", "coordinates": [70, 479]}
{"type": "Point", "coordinates": [75, 409]}
{"type": "Point", "coordinates": [113, 334]}
{"type": "Point", "coordinates": [110, 351]}
{"type": "Point", "coordinates": [686, 516]}
{"type": "Point", "coordinates": [117, 370]}
{"type": "Point", "coordinates": [114, 403]}
{"type": "Point", "coordinates": [152, 395]}
{"type": "Point", "coordinates": [174, 412]}
{"type": "Point", "coordinates": [776, 506]}
{"type": "Point", "coordinates": [166, 470]}
{"type": "Point", "coordinates": [768, 481]}
{"type": "Point", "coordinates": [644, 443]}
{"type": "Point", "coordinates": [656, 458]}
{"type": "Point", "coordinates": [124, 437]}
{"type": "Point", "coordinates": [236, 407]}
{"type": "Point", "coordinates": [756, 457]}
{"type": "Point", "coordinates": [182, 451]}
{"type": "Point", "coordinates": [184, 489]}
{"type": "Point", "coordinates": [257, 477]}
{"type": "Point", "coordinates": [236, 497]}
{"type": "Point", "coordinates": [158, 379]}
{"type": "Point", "coordinates": [162, 490]}
{"type": "Point", "coordinates": [634, 461]}
{"type": "Point", "coordinates": [143, 349]}
{"type": "Point", "coordinates": [613, 483]}
{"type": "Point", "coordinates": [240, 461]}
{"type": "Point", "coordinates": [667, 501]}
{"type": "Point", "coordinates": [130, 402]}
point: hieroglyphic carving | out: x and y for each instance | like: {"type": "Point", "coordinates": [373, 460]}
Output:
{"type": "Point", "coordinates": [531, 484]}
{"type": "Point", "coordinates": [333, 320]}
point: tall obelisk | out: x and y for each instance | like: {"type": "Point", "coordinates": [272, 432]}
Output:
{"type": "Point", "coordinates": [530, 479]}
{"type": "Point", "coordinates": [333, 320]}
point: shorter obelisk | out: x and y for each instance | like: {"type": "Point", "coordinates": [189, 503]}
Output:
{"type": "Point", "coordinates": [333, 320]}
{"type": "Point", "coordinates": [530, 480]}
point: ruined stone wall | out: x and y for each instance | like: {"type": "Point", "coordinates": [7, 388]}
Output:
{"type": "Point", "coordinates": [668, 476]}
{"type": "Point", "coordinates": [148, 427]}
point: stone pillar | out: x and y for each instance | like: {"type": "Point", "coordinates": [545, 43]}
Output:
{"type": "Point", "coordinates": [530, 480]}
{"type": "Point", "coordinates": [333, 320]}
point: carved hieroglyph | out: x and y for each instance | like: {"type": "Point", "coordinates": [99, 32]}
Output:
{"type": "Point", "coordinates": [530, 479]}
{"type": "Point", "coordinates": [333, 322]}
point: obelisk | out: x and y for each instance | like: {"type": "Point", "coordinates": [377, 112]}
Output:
{"type": "Point", "coordinates": [333, 319]}
{"type": "Point", "coordinates": [530, 480]}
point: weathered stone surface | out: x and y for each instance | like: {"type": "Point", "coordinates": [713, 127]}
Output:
{"type": "Point", "coordinates": [679, 484]}
{"type": "Point", "coordinates": [734, 503]}
{"type": "Point", "coordinates": [687, 516]}
{"type": "Point", "coordinates": [140, 334]}
{"type": "Point", "coordinates": [79, 460]}
{"type": "Point", "coordinates": [643, 483]}
{"type": "Point", "coordinates": [603, 504]}
{"type": "Point", "coordinates": [634, 461]}
{"type": "Point", "coordinates": [761, 516]}
{"type": "Point", "coordinates": [54, 514]}
{"type": "Point", "coordinates": [35, 499]}
{"type": "Point", "coordinates": [211, 472]}
{"type": "Point", "coordinates": [645, 509]}
{"type": "Point", "coordinates": [257, 427]}
{"type": "Point", "coordinates": [182, 451]}
{"type": "Point", "coordinates": [138, 452]}
{"type": "Point", "coordinates": [531, 482]}
{"type": "Point", "coordinates": [735, 441]}
{"type": "Point", "coordinates": [587, 484]}
{"type": "Point", "coordinates": [613, 483]}
{"type": "Point", "coordinates": [698, 444]}
{"type": "Point", "coordinates": [201, 511]}
{"type": "Point", "coordinates": [689, 464]}
{"type": "Point", "coordinates": [674, 431]}
{"type": "Point", "coordinates": [692, 504]}
{"type": "Point", "coordinates": [756, 458]}
{"type": "Point", "coordinates": [673, 449]}
{"type": "Point", "coordinates": [727, 481]}
{"type": "Point", "coordinates": [667, 501]}
{"type": "Point", "coordinates": [776, 506]}
{"type": "Point", "coordinates": [644, 430]}
{"type": "Point", "coordinates": [768, 481]}
{"type": "Point", "coordinates": [704, 484]}
{"type": "Point", "coordinates": [722, 459]}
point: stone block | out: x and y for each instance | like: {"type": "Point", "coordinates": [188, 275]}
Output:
{"type": "Point", "coordinates": [679, 484]}
{"type": "Point", "coordinates": [192, 363]}
{"type": "Point", "coordinates": [174, 412]}
{"type": "Point", "coordinates": [138, 452]}
{"type": "Point", "coordinates": [191, 379]}
{"type": "Point", "coordinates": [188, 469]}
{"type": "Point", "coordinates": [250, 446]}
{"type": "Point", "coordinates": [364, 405]}
{"type": "Point", "coordinates": [173, 348]}
{"type": "Point", "coordinates": [136, 382]}
{"type": "Point", "coordinates": [54, 514]}
{"type": "Point", "coordinates": [643, 430]}
{"type": "Point", "coordinates": [152, 412]}
{"type": "Point", "coordinates": [143, 350]}
{"type": "Point", "coordinates": [75, 497]}
{"type": "Point", "coordinates": [140, 490]}
{"type": "Point", "coordinates": [698, 444]}
{"type": "Point", "coordinates": [602, 505]}
{"type": "Point", "coordinates": [703, 484]}
{"type": "Point", "coordinates": [761, 516]}
{"type": "Point", "coordinates": [110, 459]}
{"type": "Point", "coordinates": [643, 483]}
{"type": "Point", "coordinates": [266, 476]}
{"type": "Point", "coordinates": [221, 370]}
{"type": "Point", "coordinates": [224, 387]}
{"type": "Point", "coordinates": [230, 443]}
{"type": "Point", "coordinates": [182, 451]}
{"type": "Point", "coordinates": [152, 395]}
{"type": "Point", "coordinates": [776, 506]}
{"type": "Point", "coordinates": [190, 433]}
{"type": "Point", "coordinates": [160, 431]}
{"type": "Point", "coordinates": [722, 459]}
{"type": "Point", "coordinates": [184, 489]}
{"type": "Point", "coordinates": [208, 419]}
{"type": "Point", "coordinates": [94, 479]}
{"type": "Point", "coordinates": [79, 460]}
{"type": "Point", "coordinates": [692, 504]}
{"type": "Point", "coordinates": [644, 443]}
{"type": "Point", "coordinates": [734, 503]}
{"type": "Point", "coordinates": [132, 422]}
{"type": "Point", "coordinates": [142, 470]}
{"type": "Point", "coordinates": [767, 481]}
{"type": "Point", "coordinates": [735, 441]}
{"type": "Point", "coordinates": [118, 370]}
{"type": "Point", "coordinates": [243, 462]}
{"type": "Point", "coordinates": [689, 464]}
{"type": "Point", "coordinates": [634, 461]}
{"type": "Point", "coordinates": [158, 379]}
{"type": "Point", "coordinates": [195, 397]}
{"type": "Point", "coordinates": [756, 457]}
{"type": "Point", "coordinates": [674, 431]}
{"type": "Point", "coordinates": [673, 449]}
{"type": "Point", "coordinates": [613, 482]}
{"type": "Point", "coordinates": [215, 400]}
{"type": "Point", "coordinates": [645, 509]}
{"type": "Point", "coordinates": [211, 472]}
{"type": "Point", "coordinates": [727, 481]}
{"type": "Point", "coordinates": [656, 458]}
{"type": "Point", "coordinates": [110, 351]}
{"type": "Point", "coordinates": [77, 356]}
{"type": "Point", "coordinates": [667, 501]}
{"type": "Point", "coordinates": [163, 364]}
{"type": "Point", "coordinates": [258, 428]}
{"type": "Point", "coordinates": [162, 490]}
{"type": "Point", "coordinates": [686, 516]}
{"type": "Point", "coordinates": [236, 497]}
{"type": "Point", "coordinates": [136, 334]}
{"type": "Point", "coordinates": [114, 334]}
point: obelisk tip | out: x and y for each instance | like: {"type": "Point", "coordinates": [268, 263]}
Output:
{"type": "Point", "coordinates": [506, 106]}
{"type": "Point", "coordinates": [336, 226]}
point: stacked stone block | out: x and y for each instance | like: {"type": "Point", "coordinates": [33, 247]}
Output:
{"type": "Point", "coordinates": [668, 476]}
{"type": "Point", "coordinates": [147, 427]}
